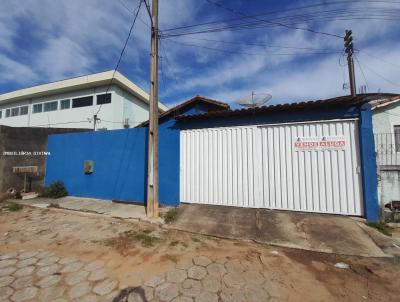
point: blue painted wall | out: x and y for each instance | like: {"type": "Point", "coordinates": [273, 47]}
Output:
{"type": "Point", "coordinates": [368, 164]}
{"type": "Point", "coordinates": [119, 163]}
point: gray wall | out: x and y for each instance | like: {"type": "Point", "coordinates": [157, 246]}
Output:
{"type": "Point", "coordinates": [25, 139]}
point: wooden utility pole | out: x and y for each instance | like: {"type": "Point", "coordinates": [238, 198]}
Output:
{"type": "Point", "coordinates": [152, 166]}
{"type": "Point", "coordinates": [348, 44]}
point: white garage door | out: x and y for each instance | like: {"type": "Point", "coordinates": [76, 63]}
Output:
{"type": "Point", "coordinates": [311, 167]}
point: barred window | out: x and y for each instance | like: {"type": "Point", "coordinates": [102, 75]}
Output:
{"type": "Point", "coordinates": [397, 137]}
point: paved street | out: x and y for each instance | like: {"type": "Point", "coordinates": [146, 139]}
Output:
{"type": "Point", "coordinates": [61, 255]}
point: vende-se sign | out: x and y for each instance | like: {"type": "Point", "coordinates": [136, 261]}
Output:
{"type": "Point", "coordinates": [319, 143]}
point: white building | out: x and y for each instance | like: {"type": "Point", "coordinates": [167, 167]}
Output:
{"type": "Point", "coordinates": [386, 125]}
{"type": "Point", "coordinates": [72, 103]}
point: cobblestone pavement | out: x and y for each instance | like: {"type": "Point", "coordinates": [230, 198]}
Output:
{"type": "Point", "coordinates": [43, 276]}
{"type": "Point", "coordinates": [203, 280]}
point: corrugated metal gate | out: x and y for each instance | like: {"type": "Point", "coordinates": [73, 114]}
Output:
{"type": "Point", "coordinates": [311, 167]}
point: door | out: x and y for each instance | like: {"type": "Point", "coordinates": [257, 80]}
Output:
{"type": "Point", "coordinates": [311, 167]}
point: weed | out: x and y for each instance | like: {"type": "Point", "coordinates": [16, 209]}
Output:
{"type": "Point", "coordinates": [147, 231]}
{"type": "Point", "coordinates": [196, 239]}
{"type": "Point", "coordinates": [213, 238]}
{"type": "Point", "coordinates": [13, 207]}
{"type": "Point", "coordinates": [174, 243]}
{"type": "Point", "coordinates": [173, 258]}
{"type": "Point", "coordinates": [171, 215]}
{"type": "Point", "coordinates": [55, 190]}
{"type": "Point", "coordinates": [145, 239]}
{"type": "Point", "coordinates": [54, 205]}
{"type": "Point", "coordinates": [381, 227]}
{"type": "Point", "coordinates": [184, 244]}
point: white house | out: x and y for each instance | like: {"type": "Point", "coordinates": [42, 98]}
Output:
{"type": "Point", "coordinates": [386, 125]}
{"type": "Point", "coordinates": [72, 103]}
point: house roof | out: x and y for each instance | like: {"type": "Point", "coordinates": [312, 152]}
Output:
{"type": "Point", "coordinates": [81, 82]}
{"type": "Point", "coordinates": [217, 105]}
{"type": "Point", "coordinates": [382, 102]}
{"type": "Point", "coordinates": [347, 100]}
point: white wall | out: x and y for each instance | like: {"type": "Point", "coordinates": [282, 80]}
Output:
{"type": "Point", "coordinates": [384, 118]}
{"type": "Point", "coordinates": [123, 104]}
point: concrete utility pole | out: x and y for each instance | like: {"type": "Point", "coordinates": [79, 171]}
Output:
{"type": "Point", "coordinates": [152, 166]}
{"type": "Point", "coordinates": [348, 44]}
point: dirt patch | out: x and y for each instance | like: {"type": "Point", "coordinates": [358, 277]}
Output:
{"type": "Point", "coordinates": [309, 275]}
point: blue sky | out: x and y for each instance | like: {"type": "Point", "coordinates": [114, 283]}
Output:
{"type": "Point", "coordinates": [47, 40]}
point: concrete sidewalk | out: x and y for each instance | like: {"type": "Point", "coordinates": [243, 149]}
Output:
{"type": "Point", "coordinates": [90, 205]}
{"type": "Point", "coordinates": [316, 232]}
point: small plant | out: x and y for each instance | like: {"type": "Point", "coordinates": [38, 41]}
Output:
{"type": "Point", "coordinates": [13, 207]}
{"type": "Point", "coordinates": [381, 227]}
{"type": "Point", "coordinates": [172, 258]}
{"type": "Point", "coordinates": [174, 243]}
{"type": "Point", "coordinates": [196, 239]}
{"type": "Point", "coordinates": [171, 215]}
{"type": "Point", "coordinates": [145, 239]}
{"type": "Point", "coordinates": [55, 190]}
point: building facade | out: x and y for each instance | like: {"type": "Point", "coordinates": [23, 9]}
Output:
{"type": "Point", "coordinates": [386, 124]}
{"type": "Point", "coordinates": [73, 103]}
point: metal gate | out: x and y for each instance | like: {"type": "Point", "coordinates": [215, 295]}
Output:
{"type": "Point", "coordinates": [311, 167]}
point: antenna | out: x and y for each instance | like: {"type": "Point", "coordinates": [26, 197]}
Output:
{"type": "Point", "coordinates": [254, 100]}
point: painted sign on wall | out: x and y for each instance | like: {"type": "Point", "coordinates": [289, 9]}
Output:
{"type": "Point", "coordinates": [318, 143]}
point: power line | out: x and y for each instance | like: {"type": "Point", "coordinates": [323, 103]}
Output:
{"type": "Point", "coordinates": [253, 54]}
{"type": "Point", "coordinates": [122, 51]}
{"type": "Point", "coordinates": [282, 11]}
{"type": "Point", "coordinates": [380, 59]}
{"type": "Point", "coordinates": [258, 44]}
{"type": "Point", "coordinates": [381, 76]}
{"type": "Point", "coordinates": [362, 71]}
{"type": "Point", "coordinates": [132, 12]}
{"type": "Point", "coordinates": [271, 22]}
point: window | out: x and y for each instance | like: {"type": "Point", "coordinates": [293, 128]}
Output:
{"type": "Point", "coordinates": [37, 108]}
{"type": "Point", "coordinates": [397, 137]}
{"type": "Point", "coordinates": [65, 104]}
{"type": "Point", "coordinates": [104, 98]}
{"type": "Point", "coordinates": [82, 102]}
{"type": "Point", "coordinates": [50, 106]}
{"type": "Point", "coordinates": [15, 111]}
{"type": "Point", "coordinates": [24, 110]}
{"type": "Point", "coordinates": [8, 112]}
{"type": "Point", "coordinates": [1, 113]}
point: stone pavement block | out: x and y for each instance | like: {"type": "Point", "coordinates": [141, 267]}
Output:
{"type": "Point", "coordinates": [97, 275]}
{"type": "Point", "coordinates": [216, 269]}
{"type": "Point", "coordinates": [190, 288]}
{"type": "Point", "coordinates": [212, 284]}
{"type": "Point", "coordinates": [48, 270]}
{"type": "Point", "coordinates": [72, 267]}
{"type": "Point", "coordinates": [7, 271]}
{"type": "Point", "coordinates": [26, 262]}
{"type": "Point", "coordinates": [49, 281]}
{"type": "Point", "coordinates": [5, 292]}
{"type": "Point", "coordinates": [24, 294]}
{"type": "Point", "coordinates": [253, 277]}
{"type": "Point", "coordinates": [66, 260]}
{"type": "Point", "coordinates": [6, 280]}
{"type": "Point", "coordinates": [48, 261]}
{"type": "Point", "coordinates": [95, 265]}
{"type": "Point", "coordinates": [176, 276]}
{"type": "Point", "coordinates": [105, 287]}
{"type": "Point", "coordinates": [232, 295]}
{"type": "Point", "coordinates": [197, 272]}
{"type": "Point", "coordinates": [7, 262]}
{"type": "Point", "coordinates": [234, 280]}
{"type": "Point", "coordinates": [154, 282]}
{"type": "Point", "coordinates": [79, 290]}
{"type": "Point", "coordinates": [273, 288]}
{"type": "Point", "coordinates": [50, 294]}
{"type": "Point", "coordinates": [44, 254]}
{"type": "Point", "coordinates": [23, 282]}
{"type": "Point", "coordinates": [201, 260]}
{"type": "Point", "coordinates": [207, 297]}
{"type": "Point", "coordinates": [25, 271]}
{"type": "Point", "coordinates": [75, 278]}
{"type": "Point", "coordinates": [183, 299]}
{"type": "Point", "coordinates": [167, 291]}
{"type": "Point", "coordinates": [141, 294]}
{"type": "Point", "coordinates": [9, 256]}
{"type": "Point", "coordinates": [88, 298]}
{"type": "Point", "coordinates": [234, 266]}
{"type": "Point", "coordinates": [28, 254]}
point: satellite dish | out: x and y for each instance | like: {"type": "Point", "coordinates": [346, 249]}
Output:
{"type": "Point", "coordinates": [254, 100]}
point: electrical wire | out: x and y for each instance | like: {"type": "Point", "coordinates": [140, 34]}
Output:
{"type": "Point", "coordinates": [271, 22]}
{"type": "Point", "coordinates": [381, 76]}
{"type": "Point", "coordinates": [133, 12]}
{"type": "Point", "coordinates": [252, 54]}
{"type": "Point", "coordinates": [380, 59]}
{"type": "Point", "coordinates": [122, 51]}
{"type": "Point", "coordinates": [362, 71]}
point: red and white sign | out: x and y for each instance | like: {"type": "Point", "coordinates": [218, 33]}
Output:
{"type": "Point", "coordinates": [319, 143]}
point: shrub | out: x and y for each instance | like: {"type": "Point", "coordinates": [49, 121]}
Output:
{"type": "Point", "coordinates": [171, 215]}
{"type": "Point", "coordinates": [381, 227]}
{"type": "Point", "coordinates": [55, 190]}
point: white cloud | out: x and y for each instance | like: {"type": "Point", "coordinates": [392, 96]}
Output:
{"type": "Point", "coordinates": [13, 71]}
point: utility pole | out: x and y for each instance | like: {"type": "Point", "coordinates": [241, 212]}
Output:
{"type": "Point", "coordinates": [348, 45]}
{"type": "Point", "coordinates": [95, 119]}
{"type": "Point", "coordinates": [152, 166]}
